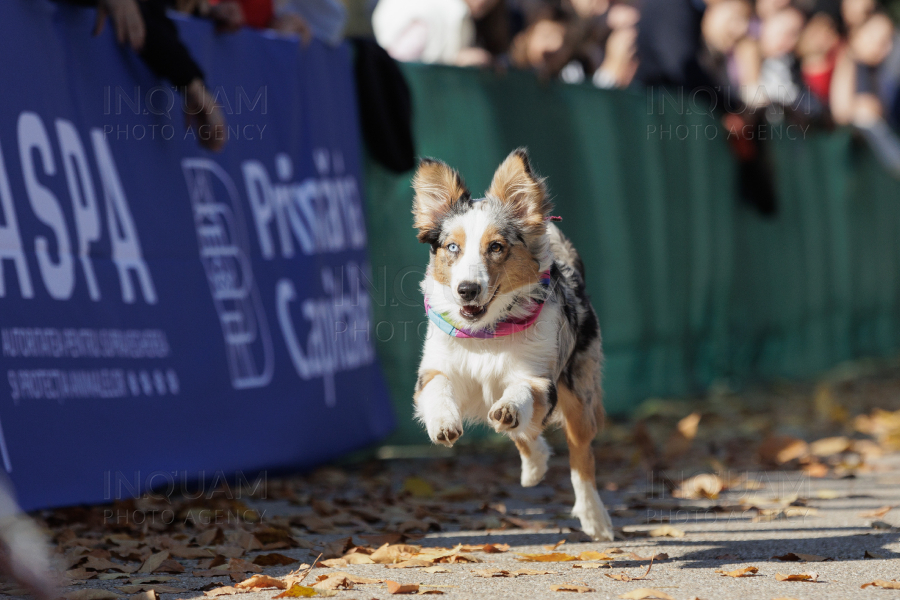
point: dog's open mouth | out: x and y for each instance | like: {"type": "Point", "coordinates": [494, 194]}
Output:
{"type": "Point", "coordinates": [472, 311]}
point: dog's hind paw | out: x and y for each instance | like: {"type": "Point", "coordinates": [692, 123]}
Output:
{"type": "Point", "coordinates": [596, 523]}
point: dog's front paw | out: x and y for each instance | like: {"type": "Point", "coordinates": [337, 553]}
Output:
{"type": "Point", "coordinates": [445, 434]}
{"type": "Point", "coordinates": [504, 416]}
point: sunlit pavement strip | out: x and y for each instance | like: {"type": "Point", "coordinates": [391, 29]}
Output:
{"type": "Point", "coordinates": [712, 541]}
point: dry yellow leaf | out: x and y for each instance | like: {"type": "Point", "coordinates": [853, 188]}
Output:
{"type": "Point", "coordinates": [887, 585]}
{"type": "Point", "coordinates": [393, 553]}
{"type": "Point", "coordinates": [411, 564]}
{"type": "Point", "coordinates": [594, 555]}
{"type": "Point", "coordinates": [646, 594]}
{"type": "Point", "coordinates": [666, 531]}
{"type": "Point", "coordinates": [571, 587]}
{"type": "Point", "coordinates": [797, 577]}
{"type": "Point", "coordinates": [261, 581]}
{"type": "Point", "coordinates": [418, 487]}
{"type": "Point", "coordinates": [402, 588]}
{"type": "Point", "coordinates": [436, 569]}
{"type": "Point", "coordinates": [877, 513]}
{"type": "Point", "coordinates": [552, 557]}
{"type": "Point", "coordinates": [745, 572]}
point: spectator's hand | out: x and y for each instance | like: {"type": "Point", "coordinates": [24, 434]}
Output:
{"type": "Point", "coordinates": [619, 62]}
{"type": "Point", "coordinates": [228, 16]}
{"type": "Point", "coordinates": [291, 23]}
{"type": "Point", "coordinates": [201, 110]}
{"type": "Point", "coordinates": [127, 21]}
{"type": "Point", "coordinates": [473, 57]}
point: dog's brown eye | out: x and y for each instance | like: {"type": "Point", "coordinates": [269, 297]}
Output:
{"type": "Point", "coordinates": [496, 247]}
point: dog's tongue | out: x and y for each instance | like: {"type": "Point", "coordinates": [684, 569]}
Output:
{"type": "Point", "coordinates": [471, 311]}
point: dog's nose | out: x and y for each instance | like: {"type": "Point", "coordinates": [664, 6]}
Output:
{"type": "Point", "coordinates": [468, 290]}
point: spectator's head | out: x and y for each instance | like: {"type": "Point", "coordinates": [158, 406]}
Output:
{"type": "Point", "coordinates": [872, 41]}
{"type": "Point", "coordinates": [622, 16]}
{"type": "Point", "coordinates": [531, 47]}
{"type": "Point", "coordinates": [480, 8]}
{"type": "Point", "coordinates": [589, 8]}
{"type": "Point", "coordinates": [725, 23]}
{"type": "Point", "coordinates": [767, 8]}
{"type": "Point", "coordinates": [856, 12]}
{"type": "Point", "coordinates": [819, 37]}
{"type": "Point", "coordinates": [781, 32]}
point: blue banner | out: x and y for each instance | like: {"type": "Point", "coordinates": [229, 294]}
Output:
{"type": "Point", "coordinates": [168, 314]}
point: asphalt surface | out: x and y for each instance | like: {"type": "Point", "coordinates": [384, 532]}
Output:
{"type": "Point", "coordinates": [824, 520]}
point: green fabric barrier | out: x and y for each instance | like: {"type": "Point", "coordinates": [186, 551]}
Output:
{"type": "Point", "coordinates": [690, 286]}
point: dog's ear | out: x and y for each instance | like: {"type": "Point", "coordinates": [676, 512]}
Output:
{"type": "Point", "coordinates": [517, 186]}
{"type": "Point", "coordinates": [438, 188]}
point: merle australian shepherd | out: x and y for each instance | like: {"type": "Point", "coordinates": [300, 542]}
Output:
{"type": "Point", "coordinates": [513, 340]}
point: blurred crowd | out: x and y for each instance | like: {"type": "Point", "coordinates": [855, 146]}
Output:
{"type": "Point", "coordinates": [831, 59]}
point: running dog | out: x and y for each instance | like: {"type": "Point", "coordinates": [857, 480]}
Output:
{"type": "Point", "coordinates": [513, 340]}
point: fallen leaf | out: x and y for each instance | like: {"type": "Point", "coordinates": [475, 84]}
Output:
{"type": "Point", "coordinates": [357, 558]}
{"type": "Point", "coordinates": [571, 587]}
{"type": "Point", "coordinates": [223, 591]}
{"type": "Point", "coordinates": [519, 572]}
{"type": "Point", "coordinates": [393, 553]}
{"type": "Point", "coordinates": [80, 574]}
{"type": "Point", "coordinates": [552, 557]}
{"type": "Point", "coordinates": [877, 513]}
{"type": "Point", "coordinates": [170, 566]}
{"type": "Point", "coordinates": [590, 565]}
{"type": "Point", "coordinates": [490, 573]}
{"type": "Point", "coordinates": [870, 554]}
{"type": "Point", "coordinates": [495, 548]}
{"type": "Point", "coordinates": [157, 588]}
{"type": "Point", "coordinates": [594, 555]}
{"type": "Point", "coordinates": [354, 578]}
{"type": "Point", "coordinates": [148, 595]}
{"type": "Point", "coordinates": [273, 559]}
{"type": "Point", "coordinates": [436, 569]}
{"type": "Point", "coordinates": [893, 584]}
{"type": "Point", "coordinates": [553, 547]}
{"type": "Point", "coordinates": [829, 446]}
{"type": "Point", "coordinates": [781, 449]}
{"type": "Point", "coordinates": [261, 581]}
{"type": "Point", "coordinates": [337, 548]}
{"type": "Point", "coordinates": [797, 577]}
{"type": "Point", "coordinates": [794, 557]}
{"type": "Point", "coordinates": [301, 591]}
{"type": "Point", "coordinates": [95, 563]}
{"type": "Point", "coordinates": [401, 588]}
{"type": "Point", "coordinates": [666, 531]}
{"type": "Point", "coordinates": [745, 572]}
{"type": "Point", "coordinates": [91, 594]}
{"type": "Point", "coordinates": [705, 485]}
{"type": "Point", "coordinates": [335, 581]}
{"type": "Point", "coordinates": [881, 525]}
{"type": "Point", "coordinates": [417, 487]}
{"type": "Point", "coordinates": [688, 425]}
{"type": "Point", "coordinates": [411, 564]}
{"type": "Point", "coordinates": [646, 594]}
{"type": "Point", "coordinates": [335, 562]}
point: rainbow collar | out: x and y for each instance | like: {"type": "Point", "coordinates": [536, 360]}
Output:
{"type": "Point", "coordinates": [503, 328]}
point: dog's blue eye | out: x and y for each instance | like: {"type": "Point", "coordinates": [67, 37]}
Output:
{"type": "Point", "coordinates": [453, 248]}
